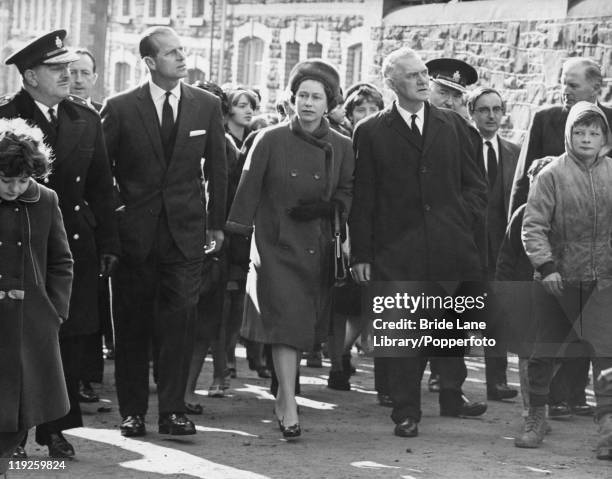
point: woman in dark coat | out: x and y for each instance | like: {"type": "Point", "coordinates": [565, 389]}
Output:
{"type": "Point", "coordinates": [35, 286]}
{"type": "Point", "coordinates": [295, 175]}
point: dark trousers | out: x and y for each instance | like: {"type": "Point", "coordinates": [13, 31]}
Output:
{"type": "Point", "coordinates": [556, 341]}
{"type": "Point", "coordinates": [71, 349]}
{"type": "Point", "coordinates": [155, 299]}
{"type": "Point", "coordinates": [404, 382]}
{"type": "Point", "coordinates": [381, 375]}
{"type": "Point", "coordinates": [8, 443]}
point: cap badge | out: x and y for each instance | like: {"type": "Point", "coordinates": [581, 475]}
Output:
{"type": "Point", "coordinates": [58, 42]}
{"type": "Point", "coordinates": [457, 76]}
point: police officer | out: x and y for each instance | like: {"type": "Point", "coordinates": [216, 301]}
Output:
{"type": "Point", "coordinates": [449, 79]}
{"type": "Point", "coordinates": [82, 179]}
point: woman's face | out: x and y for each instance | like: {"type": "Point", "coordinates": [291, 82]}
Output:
{"type": "Point", "coordinates": [242, 112]}
{"type": "Point", "coordinates": [587, 141]}
{"type": "Point", "coordinates": [366, 108]}
{"type": "Point", "coordinates": [11, 187]}
{"type": "Point", "coordinates": [310, 102]}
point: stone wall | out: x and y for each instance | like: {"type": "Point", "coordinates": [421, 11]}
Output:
{"type": "Point", "coordinates": [522, 59]}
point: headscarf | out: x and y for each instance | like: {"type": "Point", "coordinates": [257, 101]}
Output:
{"type": "Point", "coordinates": [576, 114]}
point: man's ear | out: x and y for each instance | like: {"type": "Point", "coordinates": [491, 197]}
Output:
{"type": "Point", "coordinates": [95, 79]}
{"type": "Point", "coordinates": [30, 78]}
{"type": "Point", "coordinates": [149, 62]}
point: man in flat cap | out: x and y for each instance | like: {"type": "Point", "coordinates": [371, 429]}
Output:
{"type": "Point", "coordinates": [82, 179]}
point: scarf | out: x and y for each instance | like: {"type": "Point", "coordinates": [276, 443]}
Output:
{"type": "Point", "coordinates": [316, 138]}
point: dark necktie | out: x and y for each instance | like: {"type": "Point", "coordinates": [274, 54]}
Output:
{"type": "Point", "coordinates": [53, 118]}
{"type": "Point", "coordinates": [167, 126]}
{"type": "Point", "coordinates": [491, 163]}
{"type": "Point", "coordinates": [414, 127]}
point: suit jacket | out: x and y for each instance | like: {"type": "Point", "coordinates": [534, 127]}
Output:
{"type": "Point", "coordinates": [146, 183]}
{"type": "Point", "coordinates": [544, 138]}
{"type": "Point", "coordinates": [416, 205]}
{"type": "Point", "coordinates": [82, 180]}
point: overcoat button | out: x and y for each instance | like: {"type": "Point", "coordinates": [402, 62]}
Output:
{"type": "Point", "coordinates": [2, 294]}
{"type": "Point", "coordinates": [18, 243]}
{"type": "Point", "coordinates": [427, 207]}
{"type": "Point", "coordinates": [293, 173]}
{"type": "Point", "coordinates": [77, 208]}
{"type": "Point", "coordinates": [311, 251]}
{"type": "Point", "coordinates": [76, 236]}
{"type": "Point", "coordinates": [46, 180]}
{"type": "Point", "coordinates": [16, 209]}
{"type": "Point", "coordinates": [0, 243]}
{"type": "Point", "coordinates": [77, 179]}
{"type": "Point", "coordinates": [316, 176]}
{"type": "Point", "coordinates": [423, 169]}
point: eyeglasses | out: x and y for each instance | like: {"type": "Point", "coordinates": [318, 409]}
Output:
{"type": "Point", "coordinates": [484, 110]}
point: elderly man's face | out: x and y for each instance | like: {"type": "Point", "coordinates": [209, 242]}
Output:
{"type": "Point", "coordinates": [410, 80]}
{"type": "Point", "coordinates": [576, 87]}
{"type": "Point", "coordinates": [169, 63]}
{"type": "Point", "coordinates": [51, 82]}
{"type": "Point", "coordinates": [445, 97]}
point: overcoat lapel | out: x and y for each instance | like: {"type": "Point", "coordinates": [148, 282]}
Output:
{"type": "Point", "coordinates": [396, 122]}
{"type": "Point", "coordinates": [433, 123]}
{"type": "Point", "coordinates": [69, 131]}
{"type": "Point", "coordinates": [146, 109]}
{"type": "Point", "coordinates": [186, 116]}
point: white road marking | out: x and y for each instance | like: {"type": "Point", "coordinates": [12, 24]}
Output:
{"type": "Point", "coordinates": [229, 431]}
{"type": "Point", "coordinates": [372, 465]}
{"type": "Point", "coordinates": [262, 393]}
{"type": "Point", "coordinates": [163, 460]}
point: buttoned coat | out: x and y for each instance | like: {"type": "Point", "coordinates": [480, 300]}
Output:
{"type": "Point", "coordinates": [147, 184]}
{"type": "Point", "coordinates": [417, 207]}
{"type": "Point", "coordinates": [544, 138]}
{"type": "Point", "coordinates": [35, 259]}
{"type": "Point", "coordinates": [81, 178]}
{"type": "Point", "coordinates": [289, 280]}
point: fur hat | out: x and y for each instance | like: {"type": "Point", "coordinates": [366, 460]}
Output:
{"type": "Point", "coordinates": [321, 71]}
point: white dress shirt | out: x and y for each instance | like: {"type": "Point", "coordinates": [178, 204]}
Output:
{"type": "Point", "coordinates": [158, 95]}
{"type": "Point", "coordinates": [45, 110]}
{"type": "Point", "coordinates": [407, 116]}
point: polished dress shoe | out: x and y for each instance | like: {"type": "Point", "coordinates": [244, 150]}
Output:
{"type": "Point", "coordinates": [59, 447]}
{"type": "Point", "coordinates": [467, 409]}
{"type": "Point", "coordinates": [433, 383]}
{"type": "Point", "coordinates": [583, 409]}
{"type": "Point", "coordinates": [264, 372]}
{"type": "Point", "coordinates": [176, 424]}
{"type": "Point", "coordinates": [194, 408]}
{"type": "Point", "coordinates": [133, 426]}
{"type": "Point", "coordinates": [559, 411]}
{"type": "Point", "coordinates": [499, 392]}
{"type": "Point", "coordinates": [87, 394]}
{"type": "Point", "coordinates": [385, 400]}
{"type": "Point", "coordinates": [20, 453]}
{"type": "Point", "coordinates": [406, 428]}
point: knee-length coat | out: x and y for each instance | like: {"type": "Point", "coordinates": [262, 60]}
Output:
{"type": "Point", "coordinates": [35, 285]}
{"type": "Point", "coordinates": [289, 279]}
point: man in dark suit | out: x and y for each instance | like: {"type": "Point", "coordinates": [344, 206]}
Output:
{"type": "Point", "coordinates": [418, 194]}
{"type": "Point", "coordinates": [581, 80]}
{"type": "Point", "coordinates": [487, 108]}
{"type": "Point", "coordinates": [157, 134]}
{"type": "Point", "coordinates": [81, 177]}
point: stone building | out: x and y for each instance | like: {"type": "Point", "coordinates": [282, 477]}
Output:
{"type": "Point", "coordinates": [23, 20]}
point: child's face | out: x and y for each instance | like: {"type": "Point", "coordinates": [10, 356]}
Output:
{"type": "Point", "coordinates": [366, 108]}
{"type": "Point", "coordinates": [587, 141]}
{"type": "Point", "coordinates": [11, 187]}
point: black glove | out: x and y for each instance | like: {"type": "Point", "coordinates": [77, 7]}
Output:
{"type": "Point", "coordinates": [308, 211]}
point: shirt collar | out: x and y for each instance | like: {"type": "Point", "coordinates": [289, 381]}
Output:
{"type": "Point", "coordinates": [494, 142]}
{"type": "Point", "coordinates": [407, 116]}
{"type": "Point", "coordinates": [45, 109]}
{"type": "Point", "coordinates": [157, 93]}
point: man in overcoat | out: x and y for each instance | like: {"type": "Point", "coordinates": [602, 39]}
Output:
{"type": "Point", "coordinates": [82, 180]}
{"type": "Point", "coordinates": [418, 195]}
{"type": "Point", "coordinates": [581, 80]}
{"type": "Point", "coordinates": [157, 134]}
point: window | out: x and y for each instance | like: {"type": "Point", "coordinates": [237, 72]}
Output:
{"type": "Point", "coordinates": [194, 75]}
{"type": "Point", "coordinates": [353, 64]}
{"type": "Point", "coordinates": [152, 8]}
{"type": "Point", "coordinates": [292, 57]}
{"type": "Point", "coordinates": [250, 56]}
{"type": "Point", "coordinates": [315, 50]}
{"type": "Point", "coordinates": [158, 12]}
{"type": "Point", "coordinates": [197, 8]}
{"type": "Point", "coordinates": [122, 76]}
{"type": "Point", "coordinates": [125, 8]}
{"type": "Point", "coordinates": [166, 8]}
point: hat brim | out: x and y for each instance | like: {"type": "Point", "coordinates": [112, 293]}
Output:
{"type": "Point", "coordinates": [67, 57]}
{"type": "Point", "coordinates": [450, 84]}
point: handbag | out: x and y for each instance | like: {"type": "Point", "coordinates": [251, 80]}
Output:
{"type": "Point", "coordinates": [339, 261]}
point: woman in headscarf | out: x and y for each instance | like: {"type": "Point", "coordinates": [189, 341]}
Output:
{"type": "Point", "coordinates": [567, 234]}
{"type": "Point", "coordinates": [294, 177]}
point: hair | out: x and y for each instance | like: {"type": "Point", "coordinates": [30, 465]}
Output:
{"type": "Point", "coordinates": [592, 70]}
{"type": "Point", "coordinates": [476, 93]}
{"type": "Point", "coordinates": [390, 61]}
{"type": "Point", "coordinates": [591, 118]}
{"type": "Point", "coordinates": [147, 46]}
{"type": "Point", "coordinates": [86, 52]}
{"type": "Point", "coordinates": [22, 150]}
{"type": "Point", "coordinates": [216, 90]}
{"type": "Point", "coordinates": [363, 94]}
{"type": "Point", "coordinates": [537, 166]}
{"type": "Point", "coordinates": [262, 121]}
{"type": "Point", "coordinates": [233, 96]}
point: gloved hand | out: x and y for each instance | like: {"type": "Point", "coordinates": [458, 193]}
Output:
{"type": "Point", "coordinates": [308, 211]}
{"type": "Point", "coordinates": [108, 262]}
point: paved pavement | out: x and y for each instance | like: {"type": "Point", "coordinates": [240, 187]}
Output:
{"type": "Point", "coordinates": [345, 435]}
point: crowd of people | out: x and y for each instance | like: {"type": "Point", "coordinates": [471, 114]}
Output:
{"type": "Point", "coordinates": [215, 222]}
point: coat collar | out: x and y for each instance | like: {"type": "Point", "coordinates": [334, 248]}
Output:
{"type": "Point", "coordinates": [30, 195]}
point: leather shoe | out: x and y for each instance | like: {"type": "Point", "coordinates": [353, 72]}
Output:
{"type": "Point", "coordinates": [20, 453]}
{"type": "Point", "coordinates": [133, 426]}
{"type": "Point", "coordinates": [583, 409]}
{"type": "Point", "coordinates": [499, 392]}
{"type": "Point", "coordinates": [176, 424]}
{"type": "Point", "coordinates": [338, 380]}
{"type": "Point", "coordinates": [467, 409]}
{"type": "Point", "coordinates": [59, 447]}
{"type": "Point", "coordinates": [194, 408]}
{"type": "Point", "coordinates": [406, 428]}
{"type": "Point", "coordinates": [433, 383]}
{"type": "Point", "coordinates": [385, 400]}
{"type": "Point", "coordinates": [87, 394]}
{"type": "Point", "coordinates": [559, 411]}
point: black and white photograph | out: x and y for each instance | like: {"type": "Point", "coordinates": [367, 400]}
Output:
{"type": "Point", "coordinates": [303, 239]}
